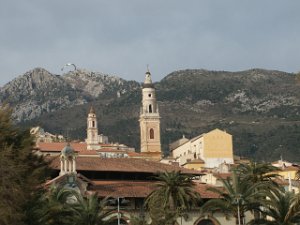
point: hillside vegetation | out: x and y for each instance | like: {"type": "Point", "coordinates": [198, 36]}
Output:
{"type": "Point", "coordinates": [260, 108]}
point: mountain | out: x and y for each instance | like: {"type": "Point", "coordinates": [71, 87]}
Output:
{"type": "Point", "coordinates": [260, 108]}
{"type": "Point", "coordinates": [38, 91]}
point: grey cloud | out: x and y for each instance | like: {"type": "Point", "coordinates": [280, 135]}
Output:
{"type": "Point", "coordinates": [121, 37]}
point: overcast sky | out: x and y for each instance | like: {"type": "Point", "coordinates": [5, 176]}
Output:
{"type": "Point", "coordinates": [121, 37]}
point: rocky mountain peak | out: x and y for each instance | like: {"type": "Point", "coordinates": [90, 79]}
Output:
{"type": "Point", "coordinates": [93, 83]}
{"type": "Point", "coordinates": [38, 91]}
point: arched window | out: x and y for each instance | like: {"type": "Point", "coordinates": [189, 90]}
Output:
{"type": "Point", "coordinates": [150, 108]}
{"type": "Point", "coordinates": [93, 124]}
{"type": "Point", "coordinates": [205, 222]}
{"type": "Point", "coordinates": [151, 133]}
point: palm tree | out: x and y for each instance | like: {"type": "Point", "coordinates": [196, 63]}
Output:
{"type": "Point", "coordinates": [173, 191]}
{"type": "Point", "coordinates": [89, 210]}
{"type": "Point", "coordinates": [280, 208]}
{"type": "Point", "coordinates": [139, 220]}
{"type": "Point", "coordinates": [257, 172]}
{"type": "Point", "coordinates": [236, 198]}
{"type": "Point", "coordinates": [53, 207]}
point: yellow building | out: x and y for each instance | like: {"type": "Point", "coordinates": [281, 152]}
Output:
{"type": "Point", "coordinates": [213, 148]}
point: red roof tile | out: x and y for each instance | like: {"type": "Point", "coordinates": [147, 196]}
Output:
{"type": "Point", "coordinates": [58, 146]}
{"type": "Point", "coordinates": [222, 175]}
{"type": "Point", "coordinates": [78, 147]}
{"type": "Point", "coordinates": [134, 189]}
{"type": "Point", "coordinates": [138, 189]}
{"type": "Point", "coordinates": [204, 193]}
{"type": "Point", "coordinates": [121, 165]}
{"type": "Point", "coordinates": [88, 152]}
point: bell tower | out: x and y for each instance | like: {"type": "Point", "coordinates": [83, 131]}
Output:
{"type": "Point", "coordinates": [67, 160]}
{"type": "Point", "coordinates": [150, 120]}
{"type": "Point", "coordinates": [92, 131]}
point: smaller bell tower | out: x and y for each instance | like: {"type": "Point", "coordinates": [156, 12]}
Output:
{"type": "Point", "coordinates": [67, 160]}
{"type": "Point", "coordinates": [150, 120]}
{"type": "Point", "coordinates": [92, 131]}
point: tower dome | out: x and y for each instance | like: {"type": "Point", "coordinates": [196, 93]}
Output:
{"type": "Point", "coordinates": [148, 80]}
{"type": "Point", "coordinates": [68, 150]}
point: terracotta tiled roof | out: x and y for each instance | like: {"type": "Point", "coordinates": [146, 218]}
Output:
{"type": "Point", "coordinates": [222, 175]}
{"type": "Point", "coordinates": [204, 193]}
{"type": "Point", "coordinates": [88, 152]}
{"type": "Point", "coordinates": [111, 150]}
{"type": "Point", "coordinates": [78, 147]}
{"type": "Point", "coordinates": [194, 161]}
{"type": "Point", "coordinates": [134, 189]}
{"type": "Point", "coordinates": [62, 177]}
{"type": "Point", "coordinates": [58, 146]}
{"type": "Point", "coordinates": [121, 164]}
{"type": "Point", "coordinates": [134, 154]}
{"type": "Point", "coordinates": [138, 189]}
{"type": "Point", "coordinates": [56, 179]}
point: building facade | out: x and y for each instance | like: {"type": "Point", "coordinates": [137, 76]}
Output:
{"type": "Point", "coordinates": [207, 150]}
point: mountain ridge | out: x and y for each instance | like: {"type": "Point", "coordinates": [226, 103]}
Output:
{"type": "Point", "coordinates": [38, 91]}
{"type": "Point", "coordinates": [260, 108]}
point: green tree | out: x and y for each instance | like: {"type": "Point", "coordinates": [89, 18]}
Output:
{"type": "Point", "coordinates": [257, 172]}
{"type": "Point", "coordinates": [89, 210]}
{"type": "Point", "coordinates": [139, 220]}
{"type": "Point", "coordinates": [21, 172]}
{"type": "Point", "coordinates": [53, 208]}
{"type": "Point", "coordinates": [280, 207]}
{"type": "Point", "coordinates": [173, 191]}
{"type": "Point", "coordinates": [236, 198]}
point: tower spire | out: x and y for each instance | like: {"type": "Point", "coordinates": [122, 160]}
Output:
{"type": "Point", "coordinates": [92, 110]}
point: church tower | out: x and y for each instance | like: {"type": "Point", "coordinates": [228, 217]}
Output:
{"type": "Point", "coordinates": [92, 131]}
{"type": "Point", "coordinates": [67, 161]}
{"type": "Point", "coordinates": [150, 120]}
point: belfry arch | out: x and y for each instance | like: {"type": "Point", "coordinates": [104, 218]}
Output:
{"type": "Point", "coordinates": [150, 108]}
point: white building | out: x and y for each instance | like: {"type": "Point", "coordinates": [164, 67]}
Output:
{"type": "Point", "coordinates": [214, 148]}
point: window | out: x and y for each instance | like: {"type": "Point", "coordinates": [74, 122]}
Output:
{"type": "Point", "coordinates": [149, 95]}
{"type": "Point", "coordinates": [151, 133]}
{"type": "Point", "coordinates": [93, 124]}
{"type": "Point", "coordinates": [150, 108]}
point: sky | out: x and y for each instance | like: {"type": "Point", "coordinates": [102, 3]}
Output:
{"type": "Point", "coordinates": [120, 37]}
